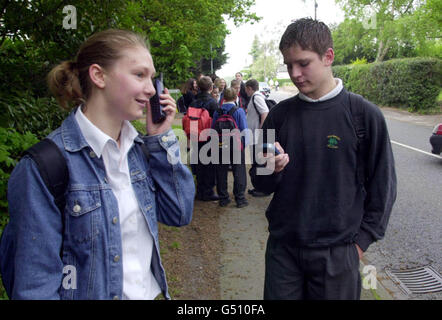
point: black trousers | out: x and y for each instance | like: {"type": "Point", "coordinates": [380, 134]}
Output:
{"type": "Point", "coordinates": [299, 273]}
{"type": "Point", "coordinates": [239, 178]}
{"type": "Point", "coordinates": [205, 176]}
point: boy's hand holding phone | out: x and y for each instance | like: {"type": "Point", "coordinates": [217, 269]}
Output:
{"type": "Point", "coordinates": [276, 158]}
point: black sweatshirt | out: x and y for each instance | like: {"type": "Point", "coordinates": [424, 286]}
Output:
{"type": "Point", "coordinates": [318, 201]}
{"type": "Point", "coordinates": [206, 101]}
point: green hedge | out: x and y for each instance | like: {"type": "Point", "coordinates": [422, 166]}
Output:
{"type": "Point", "coordinates": [282, 82]}
{"type": "Point", "coordinates": [24, 112]}
{"type": "Point", "coordinates": [12, 145]}
{"type": "Point", "coordinates": [407, 83]}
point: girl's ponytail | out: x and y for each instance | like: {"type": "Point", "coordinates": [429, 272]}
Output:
{"type": "Point", "coordinates": [70, 81]}
{"type": "Point", "coordinates": [64, 84]}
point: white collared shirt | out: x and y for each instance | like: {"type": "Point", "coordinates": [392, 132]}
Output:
{"type": "Point", "coordinates": [137, 241]}
{"type": "Point", "coordinates": [327, 96]}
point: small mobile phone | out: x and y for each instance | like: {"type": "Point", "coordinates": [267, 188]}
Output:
{"type": "Point", "coordinates": [270, 148]}
{"type": "Point", "coordinates": [158, 115]}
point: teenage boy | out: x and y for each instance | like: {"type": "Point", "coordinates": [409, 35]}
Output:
{"type": "Point", "coordinates": [257, 112]}
{"type": "Point", "coordinates": [238, 169]}
{"type": "Point", "coordinates": [205, 173]}
{"type": "Point", "coordinates": [334, 192]}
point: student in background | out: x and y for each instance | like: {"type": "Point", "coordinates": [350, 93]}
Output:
{"type": "Point", "coordinates": [239, 101]}
{"type": "Point", "coordinates": [257, 112]}
{"type": "Point", "coordinates": [205, 173]}
{"type": "Point", "coordinates": [242, 91]}
{"type": "Point", "coordinates": [189, 91]}
{"type": "Point", "coordinates": [238, 169]}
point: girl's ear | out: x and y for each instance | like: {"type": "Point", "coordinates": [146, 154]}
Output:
{"type": "Point", "coordinates": [96, 73]}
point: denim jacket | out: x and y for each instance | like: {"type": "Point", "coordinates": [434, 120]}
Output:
{"type": "Point", "coordinates": [44, 255]}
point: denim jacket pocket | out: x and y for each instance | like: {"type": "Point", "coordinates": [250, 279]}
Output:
{"type": "Point", "coordinates": [84, 208]}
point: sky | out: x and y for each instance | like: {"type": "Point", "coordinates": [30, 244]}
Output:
{"type": "Point", "coordinates": [276, 15]}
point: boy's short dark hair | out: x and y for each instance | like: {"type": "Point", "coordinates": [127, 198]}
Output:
{"type": "Point", "coordinates": [205, 83]}
{"type": "Point", "coordinates": [309, 34]}
{"type": "Point", "coordinates": [253, 83]}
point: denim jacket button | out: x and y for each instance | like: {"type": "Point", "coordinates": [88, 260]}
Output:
{"type": "Point", "coordinates": [116, 298]}
{"type": "Point", "coordinates": [76, 208]}
{"type": "Point", "coordinates": [92, 154]}
{"type": "Point", "coordinates": [115, 220]}
{"type": "Point", "coordinates": [116, 258]}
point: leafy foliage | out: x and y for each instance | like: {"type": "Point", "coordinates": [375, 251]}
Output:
{"type": "Point", "coordinates": [12, 145]}
{"type": "Point", "coordinates": [32, 37]}
{"type": "Point", "coordinates": [28, 114]}
{"type": "Point", "coordinates": [385, 29]}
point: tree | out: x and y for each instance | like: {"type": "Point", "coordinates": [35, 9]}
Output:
{"type": "Point", "coordinates": [265, 59]}
{"type": "Point", "coordinates": [32, 38]}
{"type": "Point", "coordinates": [255, 50]}
{"type": "Point", "coordinates": [397, 27]}
{"type": "Point", "coordinates": [182, 32]}
{"type": "Point", "coordinates": [352, 41]}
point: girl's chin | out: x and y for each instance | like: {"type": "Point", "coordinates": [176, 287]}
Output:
{"type": "Point", "coordinates": [135, 116]}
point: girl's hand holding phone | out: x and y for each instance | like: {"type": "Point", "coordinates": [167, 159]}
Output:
{"type": "Point", "coordinates": [169, 108]}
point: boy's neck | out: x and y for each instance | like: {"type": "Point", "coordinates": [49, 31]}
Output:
{"type": "Point", "coordinates": [326, 94]}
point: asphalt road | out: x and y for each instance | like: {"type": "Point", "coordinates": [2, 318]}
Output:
{"type": "Point", "coordinates": [414, 235]}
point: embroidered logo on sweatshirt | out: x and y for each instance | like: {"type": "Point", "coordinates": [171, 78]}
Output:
{"type": "Point", "coordinates": [333, 141]}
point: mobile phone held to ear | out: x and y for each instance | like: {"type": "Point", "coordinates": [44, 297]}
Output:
{"type": "Point", "coordinates": [156, 108]}
{"type": "Point", "coordinates": [270, 148]}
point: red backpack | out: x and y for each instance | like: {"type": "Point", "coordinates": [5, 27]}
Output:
{"type": "Point", "coordinates": [203, 119]}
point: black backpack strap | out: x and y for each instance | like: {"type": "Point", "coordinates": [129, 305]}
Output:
{"type": "Point", "coordinates": [357, 112]}
{"type": "Point", "coordinates": [53, 169]}
{"type": "Point", "coordinates": [233, 110]}
{"type": "Point", "coordinates": [220, 111]}
{"type": "Point", "coordinates": [253, 102]}
{"type": "Point", "coordinates": [145, 151]}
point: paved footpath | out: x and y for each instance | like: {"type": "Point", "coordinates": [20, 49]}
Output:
{"type": "Point", "coordinates": [244, 235]}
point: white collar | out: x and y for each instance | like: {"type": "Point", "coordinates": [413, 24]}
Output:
{"type": "Point", "coordinates": [328, 96]}
{"type": "Point", "coordinates": [97, 139]}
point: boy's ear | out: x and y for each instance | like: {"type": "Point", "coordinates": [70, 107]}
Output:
{"type": "Point", "coordinates": [96, 73]}
{"type": "Point", "coordinates": [328, 57]}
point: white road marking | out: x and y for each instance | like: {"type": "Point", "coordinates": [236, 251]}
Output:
{"type": "Point", "coordinates": [415, 149]}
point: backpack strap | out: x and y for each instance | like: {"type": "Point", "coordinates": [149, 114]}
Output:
{"type": "Point", "coordinates": [53, 169]}
{"type": "Point", "coordinates": [233, 110]}
{"type": "Point", "coordinates": [357, 112]}
{"type": "Point", "coordinates": [254, 105]}
{"type": "Point", "coordinates": [146, 151]}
